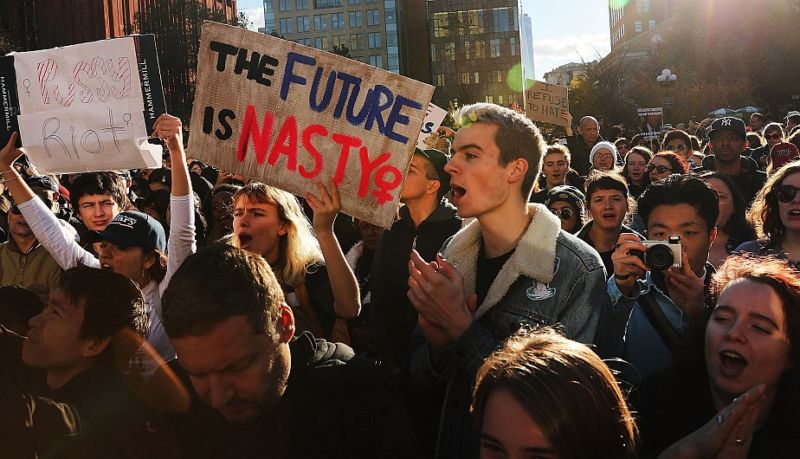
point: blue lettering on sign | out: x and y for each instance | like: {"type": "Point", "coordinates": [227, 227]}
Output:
{"type": "Point", "coordinates": [378, 99]}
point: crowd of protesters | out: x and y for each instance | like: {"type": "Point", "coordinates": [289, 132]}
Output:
{"type": "Point", "coordinates": [635, 296]}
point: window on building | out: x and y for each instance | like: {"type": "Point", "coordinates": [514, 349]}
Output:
{"type": "Point", "coordinates": [355, 19]}
{"type": "Point", "coordinates": [489, 99]}
{"type": "Point", "coordinates": [440, 81]}
{"type": "Point", "coordinates": [433, 52]}
{"type": "Point", "coordinates": [304, 41]}
{"type": "Point", "coordinates": [440, 25]}
{"type": "Point", "coordinates": [353, 2]}
{"type": "Point", "coordinates": [637, 26]}
{"type": "Point", "coordinates": [355, 41]}
{"type": "Point", "coordinates": [284, 5]}
{"type": "Point", "coordinates": [450, 51]}
{"type": "Point", "coordinates": [339, 41]}
{"type": "Point", "coordinates": [285, 25]}
{"type": "Point", "coordinates": [337, 21]}
{"type": "Point", "coordinates": [374, 40]}
{"type": "Point", "coordinates": [469, 49]}
{"type": "Point", "coordinates": [320, 22]}
{"type": "Point", "coordinates": [474, 21]}
{"type": "Point", "coordinates": [373, 17]}
{"type": "Point", "coordinates": [465, 78]}
{"type": "Point", "coordinates": [321, 43]}
{"type": "Point", "coordinates": [642, 6]}
{"type": "Point", "coordinates": [494, 47]}
{"type": "Point", "coordinates": [376, 61]}
{"type": "Point", "coordinates": [303, 24]}
{"type": "Point", "coordinates": [502, 19]}
{"type": "Point", "coordinates": [372, 1]}
{"type": "Point", "coordinates": [476, 77]}
{"type": "Point", "coordinates": [328, 3]}
{"type": "Point", "coordinates": [480, 49]}
{"type": "Point", "coordinates": [495, 76]}
{"type": "Point", "coordinates": [651, 24]}
{"type": "Point", "coordinates": [301, 5]}
{"type": "Point", "coordinates": [514, 42]}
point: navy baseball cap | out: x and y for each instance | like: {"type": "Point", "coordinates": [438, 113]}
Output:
{"type": "Point", "coordinates": [132, 229]}
{"type": "Point", "coordinates": [728, 123]}
{"type": "Point", "coordinates": [439, 159]}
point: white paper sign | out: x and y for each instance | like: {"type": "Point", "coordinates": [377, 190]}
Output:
{"type": "Point", "coordinates": [433, 119]}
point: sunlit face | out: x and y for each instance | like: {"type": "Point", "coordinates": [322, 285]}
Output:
{"type": "Point", "coordinates": [756, 123]}
{"type": "Point", "coordinates": [590, 131]}
{"type": "Point", "coordinates": [131, 262]}
{"type": "Point", "coordinates": [570, 219]}
{"type": "Point", "coordinates": [725, 200]}
{"type": "Point", "coordinates": [637, 167]}
{"type": "Point", "coordinates": [555, 168]}
{"type": "Point", "coordinates": [684, 221]}
{"type": "Point", "coordinates": [481, 185]}
{"type": "Point", "coordinates": [603, 159]}
{"type": "Point", "coordinates": [746, 340]}
{"type": "Point", "coordinates": [608, 208]}
{"type": "Point", "coordinates": [509, 432]}
{"type": "Point", "coordinates": [417, 184]}
{"type": "Point", "coordinates": [235, 370]}
{"type": "Point", "coordinates": [659, 169]}
{"type": "Point", "coordinates": [258, 227]}
{"type": "Point", "coordinates": [97, 210]}
{"type": "Point", "coordinates": [790, 211]}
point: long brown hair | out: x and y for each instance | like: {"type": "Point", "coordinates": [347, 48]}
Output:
{"type": "Point", "coordinates": [764, 213]}
{"type": "Point", "coordinates": [566, 389]}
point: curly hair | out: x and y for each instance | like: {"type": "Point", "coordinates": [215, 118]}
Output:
{"type": "Point", "coordinates": [676, 162]}
{"type": "Point", "coordinates": [764, 214]}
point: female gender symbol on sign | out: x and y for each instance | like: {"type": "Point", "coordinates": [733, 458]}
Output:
{"type": "Point", "coordinates": [27, 84]}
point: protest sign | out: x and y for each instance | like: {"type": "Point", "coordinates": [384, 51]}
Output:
{"type": "Point", "coordinates": [290, 116]}
{"type": "Point", "coordinates": [428, 136]}
{"type": "Point", "coordinates": [651, 122]}
{"type": "Point", "coordinates": [546, 103]}
{"type": "Point", "coordinates": [84, 107]}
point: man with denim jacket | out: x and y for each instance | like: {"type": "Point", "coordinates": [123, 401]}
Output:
{"type": "Point", "coordinates": [681, 205]}
{"type": "Point", "coordinates": [510, 267]}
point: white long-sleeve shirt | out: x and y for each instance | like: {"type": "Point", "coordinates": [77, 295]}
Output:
{"type": "Point", "coordinates": [69, 254]}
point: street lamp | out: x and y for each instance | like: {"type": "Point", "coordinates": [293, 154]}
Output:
{"type": "Point", "coordinates": [667, 78]}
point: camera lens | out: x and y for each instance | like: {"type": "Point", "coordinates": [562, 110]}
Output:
{"type": "Point", "coordinates": [659, 257]}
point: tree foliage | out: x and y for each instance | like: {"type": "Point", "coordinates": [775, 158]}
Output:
{"type": "Point", "coordinates": [176, 25]}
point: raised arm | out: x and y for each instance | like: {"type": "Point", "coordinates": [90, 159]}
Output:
{"type": "Point", "coordinates": [60, 244]}
{"type": "Point", "coordinates": [346, 295]}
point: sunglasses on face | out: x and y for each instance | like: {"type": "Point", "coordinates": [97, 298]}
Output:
{"type": "Point", "coordinates": [563, 213]}
{"type": "Point", "coordinates": [786, 193]}
{"type": "Point", "coordinates": [659, 169]}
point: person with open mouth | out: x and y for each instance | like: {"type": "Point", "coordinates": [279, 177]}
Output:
{"type": "Point", "coordinates": [735, 396]}
{"type": "Point", "coordinates": [308, 261]}
{"type": "Point", "coordinates": [132, 244]}
{"type": "Point", "coordinates": [635, 170]}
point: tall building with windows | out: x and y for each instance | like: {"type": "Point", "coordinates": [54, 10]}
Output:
{"type": "Point", "coordinates": [527, 47]}
{"type": "Point", "coordinates": [630, 19]}
{"type": "Point", "coordinates": [474, 44]}
{"type": "Point", "coordinates": [367, 28]}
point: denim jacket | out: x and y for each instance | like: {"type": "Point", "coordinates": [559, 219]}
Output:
{"type": "Point", "coordinates": [551, 278]}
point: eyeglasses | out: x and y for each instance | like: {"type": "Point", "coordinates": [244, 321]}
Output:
{"type": "Point", "coordinates": [772, 136]}
{"type": "Point", "coordinates": [565, 213]}
{"type": "Point", "coordinates": [680, 147]}
{"type": "Point", "coordinates": [786, 193]}
{"type": "Point", "coordinates": [660, 169]}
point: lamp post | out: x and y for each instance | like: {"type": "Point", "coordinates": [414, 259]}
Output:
{"type": "Point", "coordinates": [667, 78]}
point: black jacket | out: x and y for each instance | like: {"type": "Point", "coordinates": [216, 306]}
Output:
{"type": "Point", "coordinates": [579, 150]}
{"type": "Point", "coordinates": [392, 317]}
{"type": "Point", "coordinates": [748, 182]}
{"type": "Point", "coordinates": [335, 406]}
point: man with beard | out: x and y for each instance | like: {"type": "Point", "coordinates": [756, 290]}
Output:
{"type": "Point", "coordinates": [727, 139]}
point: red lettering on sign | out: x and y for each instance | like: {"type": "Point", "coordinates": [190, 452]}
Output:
{"type": "Point", "coordinates": [286, 144]}
{"type": "Point", "coordinates": [367, 167]}
{"type": "Point", "coordinates": [347, 142]}
{"type": "Point", "coordinates": [314, 129]}
{"type": "Point", "coordinates": [260, 138]}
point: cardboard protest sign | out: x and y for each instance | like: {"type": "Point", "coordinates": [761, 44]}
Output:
{"type": "Point", "coordinates": [651, 120]}
{"type": "Point", "coordinates": [546, 103]}
{"type": "Point", "coordinates": [84, 107]}
{"type": "Point", "coordinates": [290, 116]}
{"type": "Point", "coordinates": [433, 119]}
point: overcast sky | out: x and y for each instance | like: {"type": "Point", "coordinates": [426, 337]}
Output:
{"type": "Point", "coordinates": [563, 31]}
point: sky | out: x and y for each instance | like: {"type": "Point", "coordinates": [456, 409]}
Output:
{"type": "Point", "coordinates": [563, 30]}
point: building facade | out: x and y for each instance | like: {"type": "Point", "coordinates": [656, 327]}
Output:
{"type": "Point", "coordinates": [42, 24]}
{"type": "Point", "coordinates": [628, 20]}
{"type": "Point", "coordinates": [368, 29]}
{"type": "Point", "coordinates": [563, 75]}
{"type": "Point", "coordinates": [475, 47]}
{"type": "Point", "coordinates": [527, 47]}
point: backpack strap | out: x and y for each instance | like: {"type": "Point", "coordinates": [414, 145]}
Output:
{"type": "Point", "coordinates": [659, 321]}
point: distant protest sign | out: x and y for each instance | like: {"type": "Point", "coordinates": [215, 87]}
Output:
{"type": "Point", "coordinates": [84, 107]}
{"type": "Point", "coordinates": [428, 135]}
{"type": "Point", "coordinates": [290, 116]}
{"type": "Point", "coordinates": [546, 103]}
{"type": "Point", "coordinates": [651, 120]}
